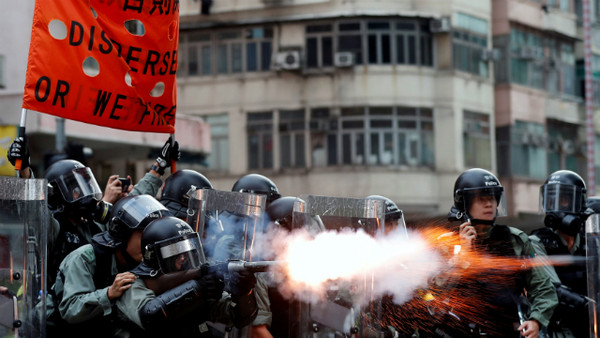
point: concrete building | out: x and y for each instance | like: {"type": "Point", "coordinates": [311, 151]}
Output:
{"type": "Point", "coordinates": [358, 97]}
{"type": "Point", "coordinates": [343, 98]}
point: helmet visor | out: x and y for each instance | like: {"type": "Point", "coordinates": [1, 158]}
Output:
{"type": "Point", "coordinates": [561, 197]}
{"type": "Point", "coordinates": [133, 213]}
{"type": "Point", "coordinates": [497, 192]}
{"type": "Point", "coordinates": [78, 184]}
{"type": "Point", "coordinates": [180, 253]}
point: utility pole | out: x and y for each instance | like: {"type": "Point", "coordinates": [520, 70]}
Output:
{"type": "Point", "coordinates": [589, 102]}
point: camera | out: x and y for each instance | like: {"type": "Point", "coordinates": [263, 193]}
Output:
{"type": "Point", "coordinates": [125, 183]}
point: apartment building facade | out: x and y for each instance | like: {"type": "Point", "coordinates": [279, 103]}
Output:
{"type": "Point", "coordinates": [343, 98]}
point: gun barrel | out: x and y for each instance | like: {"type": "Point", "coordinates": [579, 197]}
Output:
{"type": "Point", "coordinates": [260, 266]}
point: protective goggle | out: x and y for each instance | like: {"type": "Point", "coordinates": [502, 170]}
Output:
{"type": "Point", "coordinates": [180, 253]}
{"type": "Point", "coordinates": [497, 192]}
{"type": "Point", "coordinates": [134, 212]}
{"type": "Point", "coordinates": [561, 197]}
{"type": "Point", "coordinates": [78, 184]}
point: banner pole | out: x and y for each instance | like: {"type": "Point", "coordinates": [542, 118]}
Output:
{"type": "Point", "coordinates": [173, 162]}
{"type": "Point", "coordinates": [21, 133]}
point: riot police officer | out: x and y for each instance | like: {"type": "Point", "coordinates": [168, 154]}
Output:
{"type": "Point", "coordinates": [93, 276]}
{"type": "Point", "coordinates": [175, 293]}
{"type": "Point", "coordinates": [563, 202]}
{"type": "Point", "coordinates": [478, 200]}
{"type": "Point", "coordinates": [178, 188]}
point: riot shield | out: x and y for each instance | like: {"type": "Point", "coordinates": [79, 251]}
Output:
{"type": "Point", "coordinates": [23, 236]}
{"type": "Point", "coordinates": [592, 241]}
{"type": "Point", "coordinates": [338, 314]}
{"type": "Point", "coordinates": [227, 222]}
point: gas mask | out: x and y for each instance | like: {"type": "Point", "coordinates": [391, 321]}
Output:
{"type": "Point", "coordinates": [568, 223]}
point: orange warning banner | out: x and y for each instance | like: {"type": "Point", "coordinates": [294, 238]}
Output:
{"type": "Point", "coordinates": [106, 62]}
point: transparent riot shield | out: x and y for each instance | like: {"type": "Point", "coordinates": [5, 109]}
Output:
{"type": "Point", "coordinates": [227, 222]}
{"type": "Point", "coordinates": [592, 241]}
{"type": "Point", "coordinates": [23, 237]}
{"type": "Point", "coordinates": [339, 314]}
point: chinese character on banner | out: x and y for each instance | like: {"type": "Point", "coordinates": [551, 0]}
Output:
{"type": "Point", "coordinates": [109, 63]}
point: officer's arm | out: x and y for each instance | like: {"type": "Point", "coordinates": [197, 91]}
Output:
{"type": "Point", "coordinates": [540, 290]}
{"type": "Point", "coordinates": [168, 281]}
{"type": "Point", "coordinates": [172, 304]}
{"type": "Point", "coordinates": [149, 185]}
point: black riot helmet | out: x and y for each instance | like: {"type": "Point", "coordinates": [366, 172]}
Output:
{"type": "Point", "coordinates": [72, 186]}
{"type": "Point", "coordinates": [257, 184]}
{"type": "Point", "coordinates": [593, 204]}
{"type": "Point", "coordinates": [169, 245]}
{"type": "Point", "coordinates": [132, 213]}
{"type": "Point", "coordinates": [563, 200]}
{"type": "Point", "coordinates": [474, 183]}
{"type": "Point", "coordinates": [178, 188]}
{"type": "Point", "coordinates": [281, 211]}
{"type": "Point", "coordinates": [393, 214]}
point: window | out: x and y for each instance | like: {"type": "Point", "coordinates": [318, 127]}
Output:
{"type": "Point", "coordinates": [319, 46]}
{"type": "Point", "coordinates": [291, 138]}
{"type": "Point", "coordinates": [567, 68]}
{"type": "Point", "coordinates": [563, 5]}
{"type": "Point", "coordinates": [260, 140]}
{"type": "Point", "coordinates": [226, 52]}
{"type": "Point", "coordinates": [379, 45]}
{"type": "Point", "coordinates": [199, 54]}
{"type": "Point", "coordinates": [528, 155]}
{"type": "Point", "coordinates": [526, 58]}
{"type": "Point", "coordinates": [469, 39]}
{"type": "Point", "coordinates": [379, 136]}
{"type": "Point", "coordinates": [562, 146]}
{"type": "Point", "coordinates": [218, 159]}
{"type": "Point", "coordinates": [229, 52]}
{"type": "Point", "coordinates": [415, 136]}
{"type": "Point", "coordinates": [322, 137]}
{"type": "Point", "coordinates": [477, 140]}
{"type": "Point", "coordinates": [373, 42]}
{"type": "Point", "coordinates": [259, 47]}
{"type": "Point", "coordinates": [349, 39]}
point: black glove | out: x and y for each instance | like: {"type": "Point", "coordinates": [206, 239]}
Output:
{"type": "Point", "coordinates": [211, 283]}
{"type": "Point", "coordinates": [19, 150]}
{"type": "Point", "coordinates": [241, 283]}
{"type": "Point", "coordinates": [167, 154]}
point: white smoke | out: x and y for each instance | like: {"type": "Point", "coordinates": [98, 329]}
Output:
{"type": "Point", "coordinates": [351, 263]}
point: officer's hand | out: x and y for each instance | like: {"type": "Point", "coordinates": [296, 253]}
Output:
{"type": "Point", "coordinates": [241, 283]}
{"type": "Point", "coordinates": [121, 283]}
{"type": "Point", "coordinates": [211, 284]}
{"type": "Point", "coordinates": [19, 150]}
{"type": "Point", "coordinates": [529, 329]}
{"type": "Point", "coordinates": [167, 154]}
{"type": "Point", "coordinates": [113, 191]}
{"type": "Point", "coordinates": [467, 234]}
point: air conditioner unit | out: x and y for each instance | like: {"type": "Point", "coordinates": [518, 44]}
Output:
{"type": "Point", "coordinates": [490, 55]}
{"type": "Point", "coordinates": [538, 140]}
{"type": "Point", "coordinates": [526, 53]}
{"type": "Point", "coordinates": [343, 59]}
{"type": "Point", "coordinates": [550, 63]}
{"type": "Point", "coordinates": [567, 147]}
{"type": "Point", "coordinates": [288, 60]}
{"type": "Point", "coordinates": [441, 25]}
